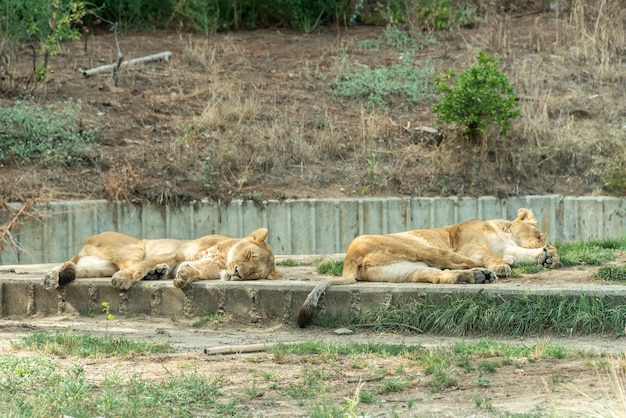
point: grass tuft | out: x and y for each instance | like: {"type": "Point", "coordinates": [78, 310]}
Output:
{"type": "Point", "coordinates": [521, 315]}
{"type": "Point", "coordinates": [68, 343]}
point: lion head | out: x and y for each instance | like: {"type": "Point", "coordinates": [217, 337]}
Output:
{"type": "Point", "coordinates": [251, 259]}
{"type": "Point", "coordinates": [524, 230]}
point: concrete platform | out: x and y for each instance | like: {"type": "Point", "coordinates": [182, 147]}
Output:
{"type": "Point", "coordinates": [22, 294]}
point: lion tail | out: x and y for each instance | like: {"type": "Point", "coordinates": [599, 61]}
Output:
{"type": "Point", "coordinates": [308, 307]}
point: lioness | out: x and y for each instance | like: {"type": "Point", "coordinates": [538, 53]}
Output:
{"type": "Point", "coordinates": [128, 259]}
{"type": "Point", "coordinates": [470, 252]}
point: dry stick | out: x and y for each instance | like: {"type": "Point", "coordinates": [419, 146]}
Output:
{"type": "Point", "coordinates": [246, 348]}
{"type": "Point", "coordinates": [155, 57]}
{"type": "Point", "coordinates": [120, 56]}
{"type": "Point", "coordinates": [389, 324]}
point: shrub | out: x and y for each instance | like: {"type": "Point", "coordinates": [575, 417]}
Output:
{"type": "Point", "coordinates": [37, 134]}
{"type": "Point", "coordinates": [481, 96]}
{"type": "Point", "coordinates": [42, 24]}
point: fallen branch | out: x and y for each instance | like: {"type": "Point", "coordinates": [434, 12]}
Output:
{"type": "Point", "coordinates": [391, 324]}
{"type": "Point", "coordinates": [236, 349]}
{"type": "Point", "coordinates": [164, 56]}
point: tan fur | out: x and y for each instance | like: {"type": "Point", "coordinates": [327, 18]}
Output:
{"type": "Point", "coordinates": [128, 259]}
{"type": "Point", "coordinates": [470, 252]}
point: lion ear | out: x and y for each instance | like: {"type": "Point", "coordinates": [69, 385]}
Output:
{"type": "Point", "coordinates": [259, 235]}
{"type": "Point", "coordinates": [527, 215]}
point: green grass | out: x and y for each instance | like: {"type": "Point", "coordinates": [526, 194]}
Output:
{"type": "Point", "coordinates": [68, 343]}
{"type": "Point", "coordinates": [593, 253]}
{"type": "Point", "coordinates": [34, 386]}
{"type": "Point", "coordinates": [331, 267]}
{"type": "Point", "coordinates": [612, 273]}
{"type": "Point", "coordinates": [51, 135]}
{"type": "Point", "coordinates": [215, 318]}
{"type": "Point", "coordinates": [385, 86]}
{"type": "Point", "coordinates": [487, 315]}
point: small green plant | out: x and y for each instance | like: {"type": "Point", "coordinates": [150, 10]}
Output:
{"type": "Point", "coordinates": [206, 174]}
{"type": "Point", "coordinates": [383, 86]}
{"type": "Point", "coordinates": [614, 177]}
{"type": "Point", "coordinates": [216, 317]}
{"type": "Point", "coordinates": [53, 135]}
{"type": "Point", "coordinates": [442, 14]}
{"type": "Point", "coordinates": [68, 343]}
{"type": "Point", "coordinates": [612, 273]}
{"type": "Point", "coordinates": [332, 267]}
{"type": "Point", "coordinates": [373, 177]}
{"type": "Point", "coordinates": [590, 253]}
{"type": "Point", "coordinates": [109, 317]}
{"type": "Point", "coordinates": [288, 262]}
{"type": "Point", "coordinates": [480, 97]}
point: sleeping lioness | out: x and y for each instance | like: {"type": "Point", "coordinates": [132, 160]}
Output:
{"type": "Point", "coordinates": [128, 259]}
{"type": "Point", "coordinates": [470, 252]}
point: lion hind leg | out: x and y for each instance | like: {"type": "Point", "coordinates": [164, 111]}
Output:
{"type": "Point", "coordinates": [60, 275]}
{"type": "Point", "coordinates": [84, 267]}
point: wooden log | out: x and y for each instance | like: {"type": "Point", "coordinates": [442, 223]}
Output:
{"type": "Point", "coordinates": [161, 56]}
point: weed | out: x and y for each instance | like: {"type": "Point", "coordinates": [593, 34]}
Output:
{"type": "Point", "coordinates": [482, 381]}
{"type": "Point", "coordinates": [109, 317]}
{"type": "Point", "coordinates": [216, 318]}
{"type": "Point", "coordinates": [396, 384]}
{"type": "Point", "coordinates": [591, 253]}
{"type": "Point", "coordinates": [487, 366]}
{"type": "Point", "coordinates": [522, 315]}
{"type": "Point", "coordinates": [383, 86]}
{"type": "Point", "coordinates": [526, 268]}
{"type": "Point", "coordinates": [48, 135]}
{"type": "Point", "coordinates": [331, 267]}
{"type": "Point", "coordinates": [289, 262]}
{"type": "Point", "coordinates": [64, 343]}
{"type": "Point", "coordinates": [612, 273]}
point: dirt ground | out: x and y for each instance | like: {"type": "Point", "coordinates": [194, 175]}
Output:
{"type": "Point", "coordinates": [566, 387]}
{"type": "Point", "coordinates": [250, 114]}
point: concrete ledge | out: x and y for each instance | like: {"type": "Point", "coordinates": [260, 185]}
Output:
{"type": "Point", "coordinates": [22, 293]}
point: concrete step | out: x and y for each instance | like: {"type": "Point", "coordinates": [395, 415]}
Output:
{"type": "Point", "coordinates": [22, 293]}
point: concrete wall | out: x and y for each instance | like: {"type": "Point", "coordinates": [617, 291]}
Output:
{"type": "Point", "coordinates": [311, 226]}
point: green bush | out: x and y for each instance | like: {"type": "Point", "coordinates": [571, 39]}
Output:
{"type": "Point", "coordinates": [135, 14]}
{"type": "Point", "coordinates": [43, 24]}
{"type": "Point", "coordinates": [481, 96]}
{"type": "Point", "coordinates": [32, 133]}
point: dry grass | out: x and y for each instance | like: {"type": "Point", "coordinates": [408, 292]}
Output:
{"type": "Point", "coordinates": [238, 116]}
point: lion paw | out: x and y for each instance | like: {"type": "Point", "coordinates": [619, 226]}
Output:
{"type": "Point", "coordinates": [120, 282]}
{"type": "Point", "coordinates": [51, 280]}
{"type": "Point", "coordinates": [484, 276]}
{"type": "Point", "coordinates": [501, 270]}
{"type": "Point", "coordinates": [548, 258]}
{"type": "Point", "coordinates": [157, 273]}
{"type": "Point", "coordinates": [181, 279]}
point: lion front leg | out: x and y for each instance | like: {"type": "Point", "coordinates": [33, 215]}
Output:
{"type": "Point", "coordinates": [191, 271]}
{"type": "Point", "coordinates": [548, 258]}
